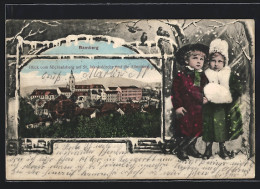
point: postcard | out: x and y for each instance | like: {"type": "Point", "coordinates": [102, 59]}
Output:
{"type": "Point", "coordinates": [102, 99]}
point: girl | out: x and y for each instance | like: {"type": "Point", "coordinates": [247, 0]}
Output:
{"type": "Point", "coordinates": [221, 115]}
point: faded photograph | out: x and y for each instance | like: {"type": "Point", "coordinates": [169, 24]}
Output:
{"type": "Point", "coordinates": [130, 99]}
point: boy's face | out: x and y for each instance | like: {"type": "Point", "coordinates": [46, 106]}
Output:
{"type": "Point", "coordinates": [196, 59]}
{"type": "Point", "coordinates": [216, 62]}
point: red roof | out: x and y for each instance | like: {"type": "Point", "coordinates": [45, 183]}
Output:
{"type": "Point", "coordinates": [129, 107]}
{"type": "Point", "coordinates": [112, 88]}
{"type": "Point", "coordinates": [44, 92]}
{"type": "Point", "coordinates": [61, 97]}
{"type": "Point", "coordinates": [97, 86]}
{"type": "Point", "coordinates": [93, 86]}
{"type": "Point", "coordinates": [85, 111]}
{"type": "Point", "coordinates": [49, 105]}
{"type": "Point", "coordinates": [80, 93]}
{"type": "Point", "coordinates": [129, 87]}
{"type": "Point", "coordinates": [109, 106]}
{"type": "Point", "coordinates": [64, 89]}
{"type": "Point", "coordinates": [111, 92]}
{"type": "Point", "coordinates": [82, 86]}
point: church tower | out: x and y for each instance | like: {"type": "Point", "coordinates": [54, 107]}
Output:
{"type": "Point", "coordinates": [72, 82]}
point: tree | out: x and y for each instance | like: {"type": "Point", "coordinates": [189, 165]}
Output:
{"type": "Point", "coordinates": [27, 116]}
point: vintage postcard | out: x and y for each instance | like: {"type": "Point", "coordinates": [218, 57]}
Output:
{"type": "Point", "coordinates": [103, 99]}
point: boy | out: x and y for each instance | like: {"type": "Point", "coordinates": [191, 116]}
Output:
{"type": "Point", "coordinates": [187, 98]}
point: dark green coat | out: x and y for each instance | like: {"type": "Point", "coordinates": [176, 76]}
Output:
{"type": "Point", "coordinates": [223, 122]}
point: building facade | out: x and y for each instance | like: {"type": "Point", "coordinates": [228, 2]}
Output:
{"type": "Point", "coordinates": [112, 96]}
{"type": "Point", "coordinates": [44, 94]}
{"type": "Point", "coordinates": [130, 93]}
{"type": "Point", "coordinates": [64, 91]}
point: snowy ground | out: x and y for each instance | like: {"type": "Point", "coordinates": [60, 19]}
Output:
{"type": "Point", "coordinates": [91, 161]}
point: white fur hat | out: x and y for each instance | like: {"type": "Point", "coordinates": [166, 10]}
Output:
{"type": "Point", "coordinates": [220, 46]}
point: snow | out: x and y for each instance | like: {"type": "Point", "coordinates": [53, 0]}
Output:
{"type": "Point", "coordinates": [91, 56]}
{"type": "Point", "coordinates": [71, 38]}
{"type": "Point", "coordinates": [89, 39]}
{"type": "Point", "coordinates": [250, 24]}
{"type": "Point", "coordinates": [175, 22]}
{"type": "Point", "coordinates": [56, 42]}
{"type": "Point", "coordinates": [20, 42]}
{"type": "Point", "coordinates": [134, 141]}
{"type": "Point", "coordinates": [33, 44]}
{"type": "Point", "coordinates": [109, 39]}
{"type": "Point", "coordinates": [158, 140]}
{"type": "Point", "coordinates": [118, 42]}
{"type": "Point", "coordinates": [244, 108]}
{"type": "Point", "coordinates": [168, 104]}
{"type": "Point", "coordinates": [149, 45]}
{"type": "Point", "coordinates": [47, 43]}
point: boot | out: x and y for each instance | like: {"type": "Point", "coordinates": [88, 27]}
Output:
{"type": "Point", "coordinates": [192, 151]}
{"type": "Point", "coordinates": [208, 151]}
{"type": "Point", "coordinates": [223, 153]}
{"type": "Point", "coordinates": [182, 155]}
{"type": "Point", "coordinates": [230, 154]}
{"type": "Point", "coordinates": [175, 145]}
{"type": "Point", "coordinates": [181, 151]}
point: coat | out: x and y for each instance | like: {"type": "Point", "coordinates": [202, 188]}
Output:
{"type": "Point", "coordinates": [186, 94]}
{"type": "Point", "coordinates": [222, 120]}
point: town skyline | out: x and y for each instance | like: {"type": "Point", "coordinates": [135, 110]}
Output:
{"type": "Point", "coordinates": [107, 82]}
{"type": "Point", "coordinates": [91, 100]}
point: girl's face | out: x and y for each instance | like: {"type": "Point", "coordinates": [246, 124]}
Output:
{"type": "Point", "coordinates": [216, 62]}
{"type": "Point", "coordinates": [196, 60]}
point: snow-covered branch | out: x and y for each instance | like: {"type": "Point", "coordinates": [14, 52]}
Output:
{"type": "Point", "coordinates": [34, 33]}
{"type": "Point", "coordinates": [183, 24]}
{"type": "Point", "coordinates": [20, 32]}
{"type": "Point", "coordinates": [176, 27]}
{"type": "Point", "coordinates": [49, 23]}
{"type": "Point", "coordinates": [249, 35]}
{"type": "Point", "coordinates": [243, 49]}
{"type": "Point", "coordinates": [191, 23]}
{"type": "Point", "coordinates": [132, 28]}
{"type": "Point", "coordinates": [12, 63]}
{"type": "Point", "coordinates": [221, 24]}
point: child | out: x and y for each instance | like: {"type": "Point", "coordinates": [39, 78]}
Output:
{"type": "Point", "coordinates": [221, 115]}
{"type": "Point", "coordinates": [187, 98]}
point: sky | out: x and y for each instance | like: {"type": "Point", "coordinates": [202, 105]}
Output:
{"type": "Point", "coordinates": [50, 72]}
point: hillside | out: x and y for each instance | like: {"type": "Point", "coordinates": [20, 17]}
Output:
{"type": "Point", "coordinates": [107, 82]}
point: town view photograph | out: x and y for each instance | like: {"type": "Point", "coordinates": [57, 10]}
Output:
{"type": "Point", "coordinates": [89, 98]}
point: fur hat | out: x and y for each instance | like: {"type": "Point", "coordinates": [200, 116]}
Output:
{"type": "Point", "coordinates": [219, 46]}
{"type": "Point", "coordinates": [190, 47]}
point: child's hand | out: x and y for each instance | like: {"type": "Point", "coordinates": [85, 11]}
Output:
{"type": "Point", "coordinates": [180, 112]}
{"type": "Point", "coordinates": [205, 100]}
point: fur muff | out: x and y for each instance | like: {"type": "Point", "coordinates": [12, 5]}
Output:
{"type": "Point", "coordinates": [217, 90]}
